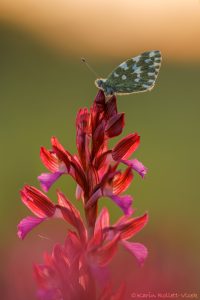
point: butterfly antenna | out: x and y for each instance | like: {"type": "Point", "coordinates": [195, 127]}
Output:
{"type": "Point", "coordinates": [88, 66]}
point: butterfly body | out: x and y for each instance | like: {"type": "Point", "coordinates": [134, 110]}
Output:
{"type": "Point", "coordinates": [137, 74]}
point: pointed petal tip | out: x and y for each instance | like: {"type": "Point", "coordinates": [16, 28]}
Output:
{"type": "Point", "coordinates": [100, 97]}
{"type": "Point", "coordinates": [138, 250]}
{"type": "Point", "coordinates": [137, 166]}
{"type": "Point", "coordinates": [48, 179]}
{"type": "Point", "coordinates": [124, 202]}
{"type": "Point", "coordinates": [27, 224]}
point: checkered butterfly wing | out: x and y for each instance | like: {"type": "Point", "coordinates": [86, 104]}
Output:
{"type": "Point", "coordinates": [137, 74]}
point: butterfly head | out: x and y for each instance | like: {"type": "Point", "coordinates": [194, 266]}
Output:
{"type": "Point", "coordinates": [100, 83]}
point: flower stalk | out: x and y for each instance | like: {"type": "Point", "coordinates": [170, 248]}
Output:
{"type": "Point", "coordinates": [74, 270]}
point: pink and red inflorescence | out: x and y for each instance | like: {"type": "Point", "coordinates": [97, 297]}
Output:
{"type": "Point", "coordinates": [74, 270]}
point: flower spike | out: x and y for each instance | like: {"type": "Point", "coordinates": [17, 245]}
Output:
{"type": "Point", "coordinates": [75, 269]}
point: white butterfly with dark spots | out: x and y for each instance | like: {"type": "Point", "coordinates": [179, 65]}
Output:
{"type": "Point", "coordinates": [135, 75]}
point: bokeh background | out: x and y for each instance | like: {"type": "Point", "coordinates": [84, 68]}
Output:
{"type": "Point", "coordinates": [43, 84]}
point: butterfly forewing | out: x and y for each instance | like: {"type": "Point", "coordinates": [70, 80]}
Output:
{"type": "Point", "coordinates": [137, 74]}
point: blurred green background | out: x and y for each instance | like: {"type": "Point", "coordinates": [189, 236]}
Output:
{"type": "Point", "coordinates": [40, 92]}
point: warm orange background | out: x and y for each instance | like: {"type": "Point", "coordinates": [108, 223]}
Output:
{"type": "Point", "coordinates": [112, 28]}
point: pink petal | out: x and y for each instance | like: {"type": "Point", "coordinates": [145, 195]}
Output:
{"type": "Point", "coordinates": [138, 250]}
{"type": "Point", "coordinates": [124, 202]}
{"type": "Point", "coordinates": [137, 166]}
{"type": "Point", "coordinates": [115, 125]}
{"type": "Point", "coordinates": [27, 224]}
{"type": "Point", "coordinates": [47, 180]}
{"type": "Point", "coordinates": [126, 147]}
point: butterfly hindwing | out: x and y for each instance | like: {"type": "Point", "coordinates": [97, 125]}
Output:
{"type": "Point", "coordinates": [137, 74]}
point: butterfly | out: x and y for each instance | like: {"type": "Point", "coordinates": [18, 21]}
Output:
{"type": "Point", "coordinates": [135, 75]}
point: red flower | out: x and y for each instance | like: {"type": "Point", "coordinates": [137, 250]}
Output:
{"type": "Point", "coordinates": [44, 209]}
{"type": "Point", "coordinates": [65, 275]}
{"type": "Point", "coordinates": [101, 247]}
{"type": "Point", "coordinates": [95, 167]}
{"type": "Point", "coordinates": [73, 270]}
